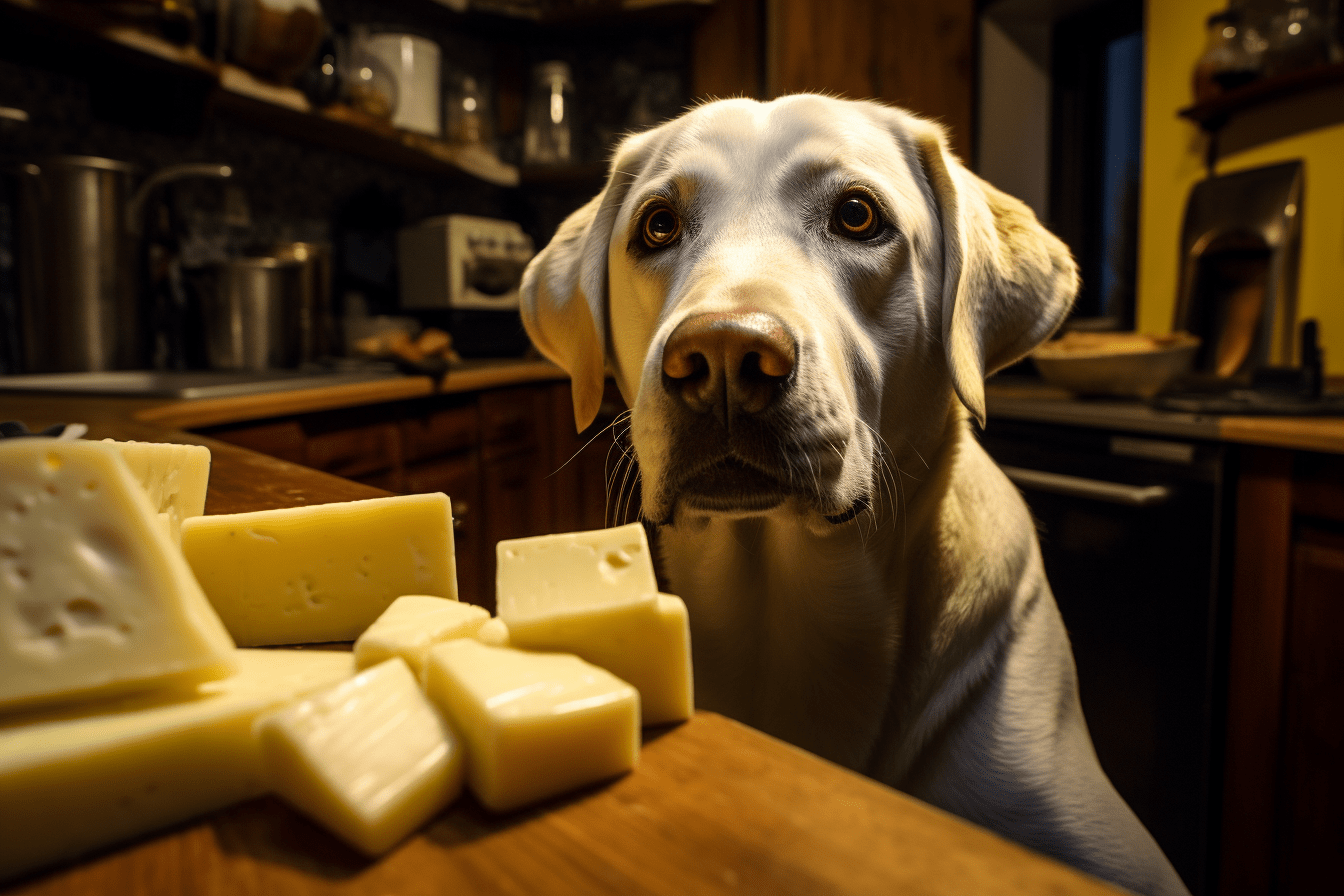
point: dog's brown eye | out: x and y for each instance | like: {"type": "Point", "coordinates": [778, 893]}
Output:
{"type": "Point", "coordinates": [661, 226]}
{"type": "Point", "coordinates": [856, 218]}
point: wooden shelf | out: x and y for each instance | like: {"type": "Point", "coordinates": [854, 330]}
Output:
{"type": "Point", "coordinates": [1213, 114]}
{"type": "Point", "coordinates": [283, 110]}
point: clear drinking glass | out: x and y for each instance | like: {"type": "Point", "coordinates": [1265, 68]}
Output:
{"type": "Point", "coordinates": [549, 125]}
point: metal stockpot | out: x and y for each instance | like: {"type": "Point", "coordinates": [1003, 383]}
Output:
{"type": "Point", "coordinates": [81, 301]}
{"type": "Point", "coordinates": [251, 310]}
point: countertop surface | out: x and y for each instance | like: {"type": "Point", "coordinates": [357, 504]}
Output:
{"type": "Point", "coordinates": [713, 806]}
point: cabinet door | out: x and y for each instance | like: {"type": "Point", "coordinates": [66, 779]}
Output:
{"type": "Point", "coordinates": [1310, 823]}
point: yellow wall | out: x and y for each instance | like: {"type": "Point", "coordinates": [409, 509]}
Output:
{"type": "Point", "coordinates": [1173, 160]}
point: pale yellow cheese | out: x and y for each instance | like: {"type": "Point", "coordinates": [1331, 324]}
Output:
{"type": "Point", "coordinates": [548, 573]}
{"type": "Point", "coordinates": [413, 624]}
{"type": "Point", "coordinates": [370, 758]}
{"type": "Point", "coordinates": [106, 772]}
{"type": "Point", "coordinates": [94, 597]}
{"type": "Point", "coordinates": [495, 633]}
{"type": "Point", "coordinates": [173, 476]}
{"type": "Point", "coordinates": [536, 724]}
{"type": "Point", "coordinates": [646, 644]}
{"type": "Point", "coordinates": [594, 594]}
{"type": "Point", "coordinates": [320, 573]}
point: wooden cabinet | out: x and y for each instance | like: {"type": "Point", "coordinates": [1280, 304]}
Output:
{"type": "Point", "coordinates": [508, 458]}
{"type": "Point", "coordinates": [1283, 807]}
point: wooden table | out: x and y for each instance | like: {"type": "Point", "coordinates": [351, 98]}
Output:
{"type": "Point", "coordinates": [713, 807]}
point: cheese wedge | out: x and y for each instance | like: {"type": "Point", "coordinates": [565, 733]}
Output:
{"type": "Point", "coordinates": [104, 773]}
{"type": "Point", "coordinates": [647, 644]}
{"type": "Point", "coordinates": [536, 724]}
{"type": "Point", "coordinates": [173, 476]}
{"type": "Point", "coordinates": [94, 597]}
{"type": "Point", "coordinates": [413, 624]}
{"type": "Point", "coordinates": [539, 576]}
{"type": "Point", "coordinates": [324, 572]}
{"type": "Point", "coordinates": [594, 594]}
{"type": "Point", "coordinates": [369, 759]}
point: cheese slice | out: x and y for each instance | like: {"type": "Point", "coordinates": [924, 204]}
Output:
{"type": "Point", "coordinates": [324, 572]}
{"type": "Point", "coordinates": [99, 774]}
{"type": "Point", "coordinates": [173, 476]}
{"type": "Point", "coordinates": [413, 624]}
{"type": "Point", "coordinates": [594, 594]}
{"type": "Point", "coordinates": [647, 644]}
{"type": "Point", "coordinates": [94, 597]}
{"type": "Point", "coordinates": [536, 724]}
{"type": "Point", "coordinates": [559, 573]}
{"type": "Point", "coordinates": [370, 758]}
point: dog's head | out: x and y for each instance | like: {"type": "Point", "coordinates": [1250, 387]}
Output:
{"type": "Point", "coordinates": [775, 284]}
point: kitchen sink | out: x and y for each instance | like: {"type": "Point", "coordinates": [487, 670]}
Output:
{"type": "Point", "coordinates": [191, 383]}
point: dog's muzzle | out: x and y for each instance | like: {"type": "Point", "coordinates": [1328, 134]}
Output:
{"type": "Point", "coordinates": [743, 442]}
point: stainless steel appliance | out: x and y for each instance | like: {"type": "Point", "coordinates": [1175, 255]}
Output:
{"type": "Point", "coordinates": [1136, 541]}
{"type": "Point", "coordinates": [79, 292]}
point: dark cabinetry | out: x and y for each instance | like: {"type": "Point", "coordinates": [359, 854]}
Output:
{"type": "Point", "coordinates": [508, 458]}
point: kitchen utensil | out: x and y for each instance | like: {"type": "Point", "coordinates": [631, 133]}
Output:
{"type": "Point", "coordinates": [414, 62]}
{"type": "Point", "coordinates": [316, 325]}
{"type": "Point", "coordinates": [80, 295]}
{"type": "Point", "coordinates": [251, 313]}
{"type": "Point", "coordinates": [1120, 364]}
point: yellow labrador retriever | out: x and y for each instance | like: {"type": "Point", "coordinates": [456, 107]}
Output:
{"type": "Point", "coordinates": [800, 301]}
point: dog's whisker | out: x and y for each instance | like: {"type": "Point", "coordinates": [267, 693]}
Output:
{"type": "Point", "coordinates": [619, 418]}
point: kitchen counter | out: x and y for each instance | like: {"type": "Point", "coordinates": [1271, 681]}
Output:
{"type": "Point", "coordinates": [714, 807]}
{"type": "Point", "coordinates": [1032, 400]}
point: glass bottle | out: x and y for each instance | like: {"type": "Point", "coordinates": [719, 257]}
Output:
{"type": "Point", "coordinates": [549, 124]}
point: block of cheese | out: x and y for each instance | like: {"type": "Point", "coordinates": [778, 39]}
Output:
{"type": "Point", "coordinates": [174, 478]}
{"type": "Point", "coordinates": [539, 576]}
{"type": "Point", "coordinates": [324, 572]}
{"type": "Point", "coordinates": [370, 758]}
{"type": "Point", "coordinates": [413, 624]}
{"type": "Point", "coordinates": [594, 594]}
{"type": "Point", "coordinates": [647, 644]}
{"type": "Point", "coordinates": [495, 633]}
{"type": "Point", "coordinates": [99, 774]}
{"type": "Point", "coordinates": [535, 724]}
{"type": "Point", "coordinates": [94, 597]}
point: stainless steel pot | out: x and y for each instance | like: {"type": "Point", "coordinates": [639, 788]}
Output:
{"type": "Point", "coordinates": [251, 310]}
{"type": "Point", "coordinates": [80, 297]}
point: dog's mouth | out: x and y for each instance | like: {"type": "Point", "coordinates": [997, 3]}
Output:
{"type": "Point", "coordinates": [734, 485]}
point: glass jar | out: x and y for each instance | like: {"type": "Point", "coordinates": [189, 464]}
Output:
{"type": "Point", "coordinates": [1231, 56]}
{"type": "Point", "coordinates": [466, 114]}
{"type": "Point", "coordinates": [1296, 36]}
{"type": "Point", "coordinates": [549, 123]}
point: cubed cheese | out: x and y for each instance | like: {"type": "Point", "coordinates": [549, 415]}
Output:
{"type": "Point", "coordinates": [370, 758]}
{"type": "Point", "coordinates": [647, 644]}
{"type": "Point", "coordinates": [94, 596]}
{"type": "Point", "coordinates": [539, 576]}
{"type": "Point", "coordinates": [106, 772]}
{"type": "Point", "coordinates": [413, 624]}
{"type": "Point", "coordinates": [173, 476]}
{"type": "Point", "coordinates": [495, 633]}
{"type": "Point", "coordinates": [324, 572]}
{"type": "Point", "coordinates": [594, 594]}
{"type": "Point", "coordinates": [535, 724]}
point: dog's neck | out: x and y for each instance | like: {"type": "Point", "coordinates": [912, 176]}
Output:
{"type": "Point", "coordinates": [776, 597]}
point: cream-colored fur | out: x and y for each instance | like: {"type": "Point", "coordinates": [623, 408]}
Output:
{"type": "Point", "coordinates": [889, 612]}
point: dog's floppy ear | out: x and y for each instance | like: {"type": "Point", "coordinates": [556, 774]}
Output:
{"type": "Point", "coordinates": [1008, 283]}
{"type": "Point", "coordinates": [564, 289]}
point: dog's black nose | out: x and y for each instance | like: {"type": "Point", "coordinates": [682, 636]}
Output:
{"type": "Point", "coordinates": [729, 363]}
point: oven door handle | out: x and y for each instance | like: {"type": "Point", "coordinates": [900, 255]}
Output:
{"type": "Point", "coordinates": [1093, 489]}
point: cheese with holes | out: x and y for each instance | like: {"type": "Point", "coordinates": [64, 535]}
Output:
{"type": "Point", "coordinates": [536, 725]}
{"type": "Point", "coordinates": [94, 596]}
{"type": "Point", "coordinates": [320, 573]}
{"type": "Point", "coordinates": [102, 773]}
{"type": "Point", "coordinates": [173, 476]}
{"type": "Point", "coordinates": [413, 624]}
{"type": "Point", "coordinates": [370, 758]}
{"type": "Point", "coordinates": [536, 577]}
{"type": "Point", "coordinates": [594, 594]}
